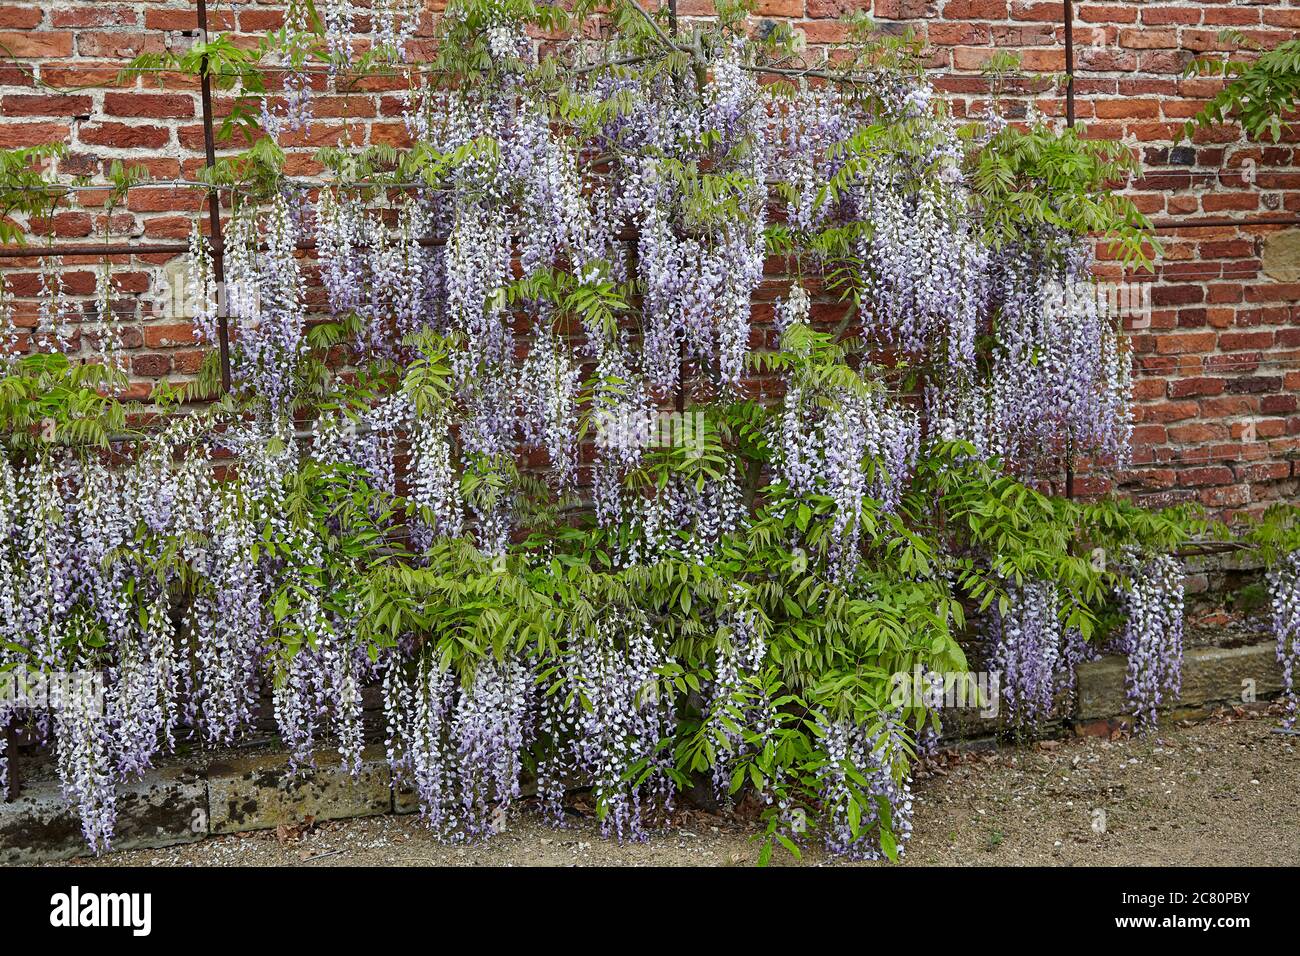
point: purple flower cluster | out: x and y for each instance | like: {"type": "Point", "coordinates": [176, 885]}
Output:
{"type": "Point", "coordinates": [294, 52]}
{"type": "Point", "coordinates": [863, 446]}
{"type": "Point", "coordinates": [548, 404]}
{"type": "Point", "coordinates": [924, 268]}
{"type": "Point", "coordinates": [622, 719]}
{"type": "Point", "coordinates": [265, 299]}
{"type": "Point", "coordinates": [1034, 653]}
{"type": "Point", "coordinates": [55, 311]}
{"type": "Point", "coordinates": [603, 721]}
{"type": "Point", "coordinates": [736, 700]}
{"type": "Point", "coordinates": [1153, 633]}
{"type": "Point", "coordinates": [864, 764]}
{"type": "Point", "coordinates": [1284, 590]}
{"type": "Point", "coordinates": [1059, 370]}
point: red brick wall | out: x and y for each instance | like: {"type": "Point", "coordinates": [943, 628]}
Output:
{"type": "Point", "coordinates": [1218, 367]}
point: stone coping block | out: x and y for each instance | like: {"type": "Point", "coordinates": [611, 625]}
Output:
{"type": "Point", "coordinates": [163, 808]}
{"type": "Point", "coordinates": [259, 793]}
{"type": "Point", "coordinates": [1210, 675]}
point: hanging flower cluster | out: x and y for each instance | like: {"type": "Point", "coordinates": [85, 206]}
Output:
{"type": "Point", "coordinates": [1060, 373]}
{"type": "Point", "coordinates": [459, 746]}
{"type": "Point", "coordinates": [294, 52]}
{"type": "Point", "coordinates": [860, 769]}
{"type": "Point", "coordinates": [1284, 590]}
{"type": "Point", "coordinates": [863, 446]}
{"type": "Point", "coordinates": [1153, 634]}
{"type": "Point", "coordinates": [94, 560]}
{"type": "Point", "coordinates": [55, 311]}
{"type": "Point", "coordinates": [1035, 655]}
{"type": "Point", "coordinates": [600, 721]}
{"type": "Point", "coordinates": [736, 700]}
{"type": "Point", "coordinates": [265, 299]}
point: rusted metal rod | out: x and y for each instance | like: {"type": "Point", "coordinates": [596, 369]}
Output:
{"type": "Point", "coordinates": [1069, 121]}
{"type": "Point", "coordinates": [93, 249]}
{"type": "Point", "coordinates": [1224, 222]}
{"type": "Point", "coordinates": [214, 198]}
{"type": "Point", "coordinates": [1069, 62]}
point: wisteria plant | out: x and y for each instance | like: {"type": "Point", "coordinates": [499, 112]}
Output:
{"type": "Point", "coordinates": [451, 481]}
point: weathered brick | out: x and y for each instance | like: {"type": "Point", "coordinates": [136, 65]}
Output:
{"type": "Point", "coordinates": [1232, 341]}
{"type": "Point", "coordinates": [975, 9]}
{"type": "Point", "coordinates": [1181, 343]}
{"type": "Point", "coordinates": [14, 135]}
{"type": "Point", "coordinates": [37, 45]}
{"type": "Point", "coordinates": [118, 43]}
{"type": "Point", "coordinates": [46, 104]}
{"type": "Point", "coordinates": [20, 18]}
{"type": "Point", "coordinates": [1211, 475]}
{"type": "Point", "coordinates": [99, 15]}
{"type": "Point", "coordinates": [151, 105]}
{"type": "Point", "coordinates": [123, 136]}
{"type": "Point", "coordinates": [1184, 387]}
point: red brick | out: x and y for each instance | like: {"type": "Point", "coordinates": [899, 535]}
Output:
{"type": "Point", "coordinates": [100, 15]}
{"type": "Point", "coordinates": [65, 225]}
{"type": "Point", "coordinates": [168, 335]}
{"type": "Point", "coordinates": [122, 136]}
{"type": "Point", "coordinates": [1041, 11]}
{"type": "Point", "coordinates": [1147, 39]}
{"type": "Point", "coordinates": [260, 21]}
{"type": "Point", "coordinates": [152, 105]}
{"type": "Point", "coordinates": [43, 45]}
{"type": "Point", "coordinates": [1233, 341]}
{"type": "Point", "coordinates": [1127, 109]}
{"type": "Point", "coordinates": [118, 43]}
{"type": "Point", "coordinates": [13, 135]}
{"type": "Point", "coordinates": [833, 9]}
{"type": "Point", "coordinates": [1161, 16]}
{"type": "Point", "coordinates": [1278, 404]}
{"type": "Point", "coordinates": [165, 199]}
{"type": "Point", "coordinates": [1233, 496]}
{"type": "Point", "coordinates": [20, 18]}
{"type": "Point", "coordinates": [975, 10]}
{"type": "Point", "coordinates": [1231, 16]}
{"type": "Point", "coordinates": [23, 104]}
{"type": "Point", "coordinates": [1185, 387]}
{"type": "Point", "coordinates": [1197, 432]}
{"type": "Point", "coordinates": [1220, 202]}
{"type": "Point", "coordinates": [794, 9]}
{"type": "Point", "coordinates": [1282, 18]}
{"type": "Point", "coordinates": [1106, 13]}
{"type": "Point", "coordinates": [150, 366]}
{"type": "Point", "coordinates": [1168, 411]}
{"type": "Point", "coordinates": [81, 74]}
{"type": "Point", "coordinates": [1212, 475]}
{"type": "Point", "coordinates": [1149, 434]}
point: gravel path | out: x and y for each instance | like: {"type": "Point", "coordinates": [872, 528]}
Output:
{"type": "Point", "coordinates": [1223, 792]}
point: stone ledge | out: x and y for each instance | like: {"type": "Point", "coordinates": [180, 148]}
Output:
{"type": "Point", "coordinates": [163, 808]}
{"type": "Point", "coordinates": [258, 793]}
{"type": "Point", "coordinates": [1210, 675]}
